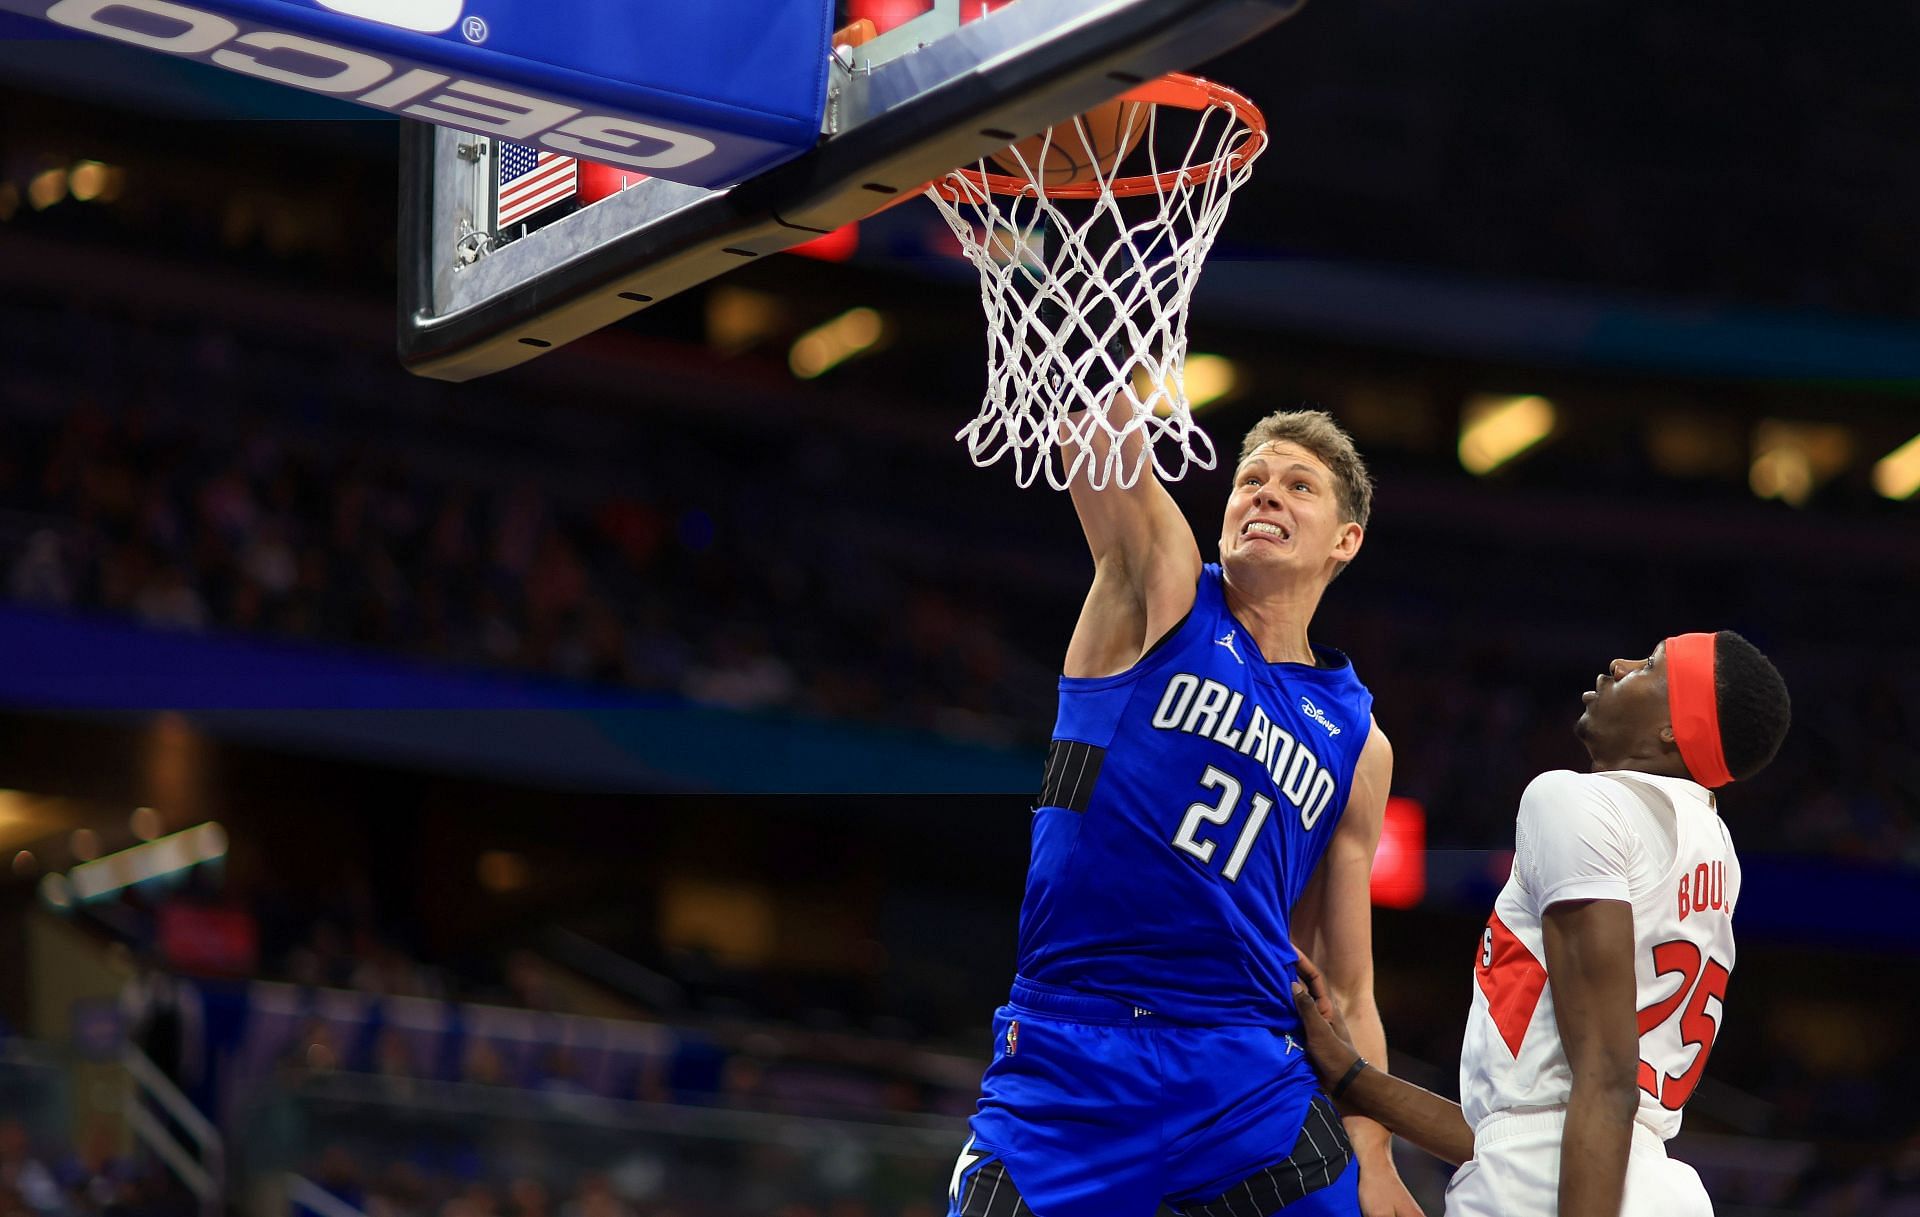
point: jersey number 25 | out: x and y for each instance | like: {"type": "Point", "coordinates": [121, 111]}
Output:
{"type": "Point", "coordinates": [1701, 977]}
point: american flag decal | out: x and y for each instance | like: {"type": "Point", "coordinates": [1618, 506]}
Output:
{"type": "Point", "coordinates": [531, 180]}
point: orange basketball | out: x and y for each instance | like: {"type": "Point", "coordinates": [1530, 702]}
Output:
{"type": "Point", "coordinates": [1111, 130]}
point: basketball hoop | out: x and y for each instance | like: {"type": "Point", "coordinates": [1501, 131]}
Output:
{"type": "Point", "coordinates": [1087, 285]}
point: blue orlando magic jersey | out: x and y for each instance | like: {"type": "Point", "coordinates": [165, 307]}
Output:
{"type": "Point", "coordinates": [1186, 803]}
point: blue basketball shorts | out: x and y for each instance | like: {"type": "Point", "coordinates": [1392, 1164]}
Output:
{"type": "Point", "coordinates": [1093, 1108]}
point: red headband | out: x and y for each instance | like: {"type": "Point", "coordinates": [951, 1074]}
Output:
{"type": "Point", "coordinates": [1694, 708]}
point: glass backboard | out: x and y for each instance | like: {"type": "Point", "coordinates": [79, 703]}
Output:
{"type": "Point", "coordinates": [483, 289]}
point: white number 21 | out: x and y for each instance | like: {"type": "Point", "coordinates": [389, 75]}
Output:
{"type": "Point", "coordinates": [1219, 812]}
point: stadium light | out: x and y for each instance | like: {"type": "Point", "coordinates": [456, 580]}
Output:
{"type": "Point", "coordinates": [93, 181]}
{"type": "Point", "coordinates": [1897, 474]}
{"type": "Point", "coordinates": [1205, 378]}
{"type": "Point", "coordinates": [56, 891]}
{"type": "Point", "coordinates": [1495, 429]}
{"type": "Point", "coordinates": [740, 318]}
{"type": "Point", "coordinates": [831, 344]}
{"type": "Point", "coordinates": [1209, 378]}
{"type": "Point", "coordinates": [166, 856]}
{"type": "Point", "coordinates": [1792, 459]}
{"type": "Point", "coordinates": [28, 817]}
{"type": "Point", "coordinates": [502, 871]}
{"type": "Point", "coordinates": [48, 187]}
{"type": "Point", "coordinates": [1782, 473]}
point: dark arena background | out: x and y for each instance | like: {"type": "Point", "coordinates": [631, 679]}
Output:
{"type": "Point", "coordinates": [601, 789]}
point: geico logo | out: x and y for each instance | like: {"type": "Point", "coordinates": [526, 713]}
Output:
{"type": "Point", "coordinates": [306, 63]}
{"type": "Point", "coordinates": [426, 16]}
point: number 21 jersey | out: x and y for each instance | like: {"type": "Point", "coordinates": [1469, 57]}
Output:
{"type": "Point", "coordinates": [1186, 803]}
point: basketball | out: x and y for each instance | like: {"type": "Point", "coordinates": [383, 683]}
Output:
{"type": "Point", "coordinates": [1112, 130]}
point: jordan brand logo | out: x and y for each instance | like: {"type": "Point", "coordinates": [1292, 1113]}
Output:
{"type": "Point", "coordinates": [1226, 640]}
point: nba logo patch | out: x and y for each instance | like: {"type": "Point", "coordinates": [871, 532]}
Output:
{"type": "Point", "coordinates": [1013, 1037]}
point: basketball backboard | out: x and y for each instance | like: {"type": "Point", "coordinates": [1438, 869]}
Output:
{"type": "Point", "coordinates": [478, 296]}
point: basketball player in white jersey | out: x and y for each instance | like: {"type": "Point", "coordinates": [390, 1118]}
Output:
{"type": "Point", "coordinates": [1599, 980]}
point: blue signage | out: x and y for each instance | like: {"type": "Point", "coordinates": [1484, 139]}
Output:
{"type": "Point", "coordinates": [707, 94]}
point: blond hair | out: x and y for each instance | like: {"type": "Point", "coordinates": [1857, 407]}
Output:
{"type": "Point", "coordinates": [1316, 431]}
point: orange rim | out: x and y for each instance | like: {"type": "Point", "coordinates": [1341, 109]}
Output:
{"type": "Point", "coordinates": [1176, 89]}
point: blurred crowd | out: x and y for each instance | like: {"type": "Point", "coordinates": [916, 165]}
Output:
{"type": "Point", "coordinates": [197, 482]}
{"type": "Point", "coordinates": [741, 1063]}
{"type": "Point", "coordinates": [1844, 1186]}
{"type": "Point", "coordinates": [368, 1020]}
{"type": "Point", "coordinates": [343, 999]}
{"type": "Point", "coordinates": [675, 582]}
{"type": "Point", "coordinates": [1470, 732]}
{"type": "Point", "coordinates": [406, 1189]}
{"type": "Point", "coordinates": [429, 1186]}
{"type": "Point", "coordinates": [48, 1177]}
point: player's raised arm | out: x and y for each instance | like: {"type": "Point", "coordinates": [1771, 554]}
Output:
{"type": "Point", "coordinates": [1145, 561]}
{"type": "Point", "coordinates": [1334, 922]}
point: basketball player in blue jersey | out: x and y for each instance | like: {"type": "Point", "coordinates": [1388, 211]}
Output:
{"type": "Point", "coordinates": [1215, 788]}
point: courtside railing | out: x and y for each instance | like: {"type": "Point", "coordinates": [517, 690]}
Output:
{"type": "Point", "coordinates": [168, 1124]}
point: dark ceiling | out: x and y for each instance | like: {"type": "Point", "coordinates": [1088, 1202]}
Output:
{"type": "Point", "coordinates": [1747, 153]}
{"type": "Point", "coordinates": [1755, 152]}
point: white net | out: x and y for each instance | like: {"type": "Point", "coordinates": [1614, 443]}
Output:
{"type": "Point", "coordinates": [1087, 296]}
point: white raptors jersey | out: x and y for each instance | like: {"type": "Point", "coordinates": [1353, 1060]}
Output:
{"type": "Point", "coordinates": [1655, 842]}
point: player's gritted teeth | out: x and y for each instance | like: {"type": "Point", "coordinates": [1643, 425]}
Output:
{"type": "Point", "coordinates": [1270, 530]}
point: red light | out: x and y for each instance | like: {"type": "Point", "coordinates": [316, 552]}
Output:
{"type": "Point", "coordinates": [887, 14]}
{"type": "Point", "coordinates": [1400, 864]}
{"type": "Point", "coordinates": [835, 246]}
{"type": "Point", "coordinates": [598, 181]}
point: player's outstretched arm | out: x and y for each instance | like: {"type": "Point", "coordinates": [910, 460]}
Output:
{"type": "Point", "coordinates": [1590, 966]}
{"type": "Point", "coordinates": [1145, 564]}
{"type": "Point", "coordinates": [1334, 921]}
{"type": "Point", "coordinates": [1433, 1123]}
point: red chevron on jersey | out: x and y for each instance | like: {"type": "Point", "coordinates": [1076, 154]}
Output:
{"type": "Point", "coordinates": [1511, 978]}
{"type": "Point", "coordinates": [1605, 836]}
